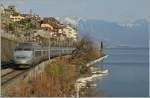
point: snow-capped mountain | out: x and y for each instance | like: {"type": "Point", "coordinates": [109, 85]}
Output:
{"type": "Point", "coordinates": [69, 20]}
{"type": "Point", "coordinates": [133, 23]}
{"type": "Point", "coordinates": [133, 34]}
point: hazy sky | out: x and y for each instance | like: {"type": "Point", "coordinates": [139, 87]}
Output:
{"type": "Point", "coordinates": [112, 10]}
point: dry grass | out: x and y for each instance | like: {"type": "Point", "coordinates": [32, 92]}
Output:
{"type": "Point", "coordinates": [56, 81]}
{"type": "Point", "coordinates": [12, 91]}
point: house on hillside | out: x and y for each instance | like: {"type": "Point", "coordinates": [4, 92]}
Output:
{"type": "Point", "coordinates": [71, 35]}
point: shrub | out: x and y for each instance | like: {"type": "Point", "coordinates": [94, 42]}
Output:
{"type": "Point", "coordinates": [86, 51]}
{"type": "Point", "coordinates": [53, 70]}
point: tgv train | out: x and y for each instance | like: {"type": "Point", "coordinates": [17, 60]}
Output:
{"type": "Point", "coordinates": [32, 53]}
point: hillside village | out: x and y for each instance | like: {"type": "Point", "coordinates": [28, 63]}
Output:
{"type": "Point", "coordinates": [67, 74]}
{"type": "Point", "coordinates": [33, 28]}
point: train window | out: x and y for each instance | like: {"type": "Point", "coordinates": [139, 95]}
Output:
{"type": "Point", "coordinates": [37, 53]}
{"type": "Point", "coordinates": [44, 52]}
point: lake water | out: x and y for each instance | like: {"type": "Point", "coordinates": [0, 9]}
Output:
{"type": "Point", "coordinates": [128, 73]}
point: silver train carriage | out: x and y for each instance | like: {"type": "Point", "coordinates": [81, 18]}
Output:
{"type": "Point", "coordinates": [32, 53]}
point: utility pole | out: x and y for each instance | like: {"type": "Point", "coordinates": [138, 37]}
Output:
{"type": "Point", "coordinates": [50, 29]}
{"type": "Point", "coordinates": [49, 48]}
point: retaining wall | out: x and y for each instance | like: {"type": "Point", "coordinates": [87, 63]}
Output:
{"type": "Point", "coordinates": [7, 48]}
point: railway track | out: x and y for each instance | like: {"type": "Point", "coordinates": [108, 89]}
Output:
{"type": "Point", "coordinates": [9, 74]}
{"type": "Point", "coordinates": [7, 68]}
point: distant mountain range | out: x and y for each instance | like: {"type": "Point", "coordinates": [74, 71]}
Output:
{"type": "Point", "coordinates": [113, 34]}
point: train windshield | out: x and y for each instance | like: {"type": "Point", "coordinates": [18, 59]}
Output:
{"type": "Point", "coordinates": [17, 49]}
{"type": "Point", "coordinates": [23, 49]}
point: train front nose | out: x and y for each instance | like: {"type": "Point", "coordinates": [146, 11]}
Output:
{"type": "Point", "coordinates": [23, 56]}
{"type": "Point", "coordinates": [22, 60]}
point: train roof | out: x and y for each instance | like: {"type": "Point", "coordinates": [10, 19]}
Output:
{"type": "Point", "coordinates": [29, 45]}
{"type": "Point", "coordinates": [34, 45]}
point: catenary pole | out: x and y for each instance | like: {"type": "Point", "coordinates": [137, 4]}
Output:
{"type": "Point", "coordinates": [49, 49]}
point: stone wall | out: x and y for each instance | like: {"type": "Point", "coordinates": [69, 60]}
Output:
{"type": "Point", "coordinates": [7, 48]}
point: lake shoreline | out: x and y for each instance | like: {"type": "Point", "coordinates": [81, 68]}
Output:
{"type": "Point", "coordinates": [84, 83]}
